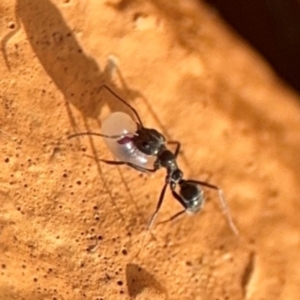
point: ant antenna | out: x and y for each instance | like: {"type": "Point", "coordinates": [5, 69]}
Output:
{"type": "Point", "coordinates": [102, 135]}
{"type": "Point", "coordinates": [124, 102]}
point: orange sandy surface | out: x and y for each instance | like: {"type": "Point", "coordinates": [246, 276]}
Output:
{"type": "Point", "coordinates": [70, 227]}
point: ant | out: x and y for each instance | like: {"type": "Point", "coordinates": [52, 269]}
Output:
{"type": "Point", "coordinates": [145, 149]}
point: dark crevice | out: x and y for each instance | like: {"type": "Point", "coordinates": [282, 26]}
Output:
{"type": "Point", "coordinates": [272, 27]}
{"type": "Point", "coordinates": [248, 272]}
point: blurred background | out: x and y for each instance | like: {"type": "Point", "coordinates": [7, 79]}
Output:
{"type": "Point", "coordinates": [272, 27]}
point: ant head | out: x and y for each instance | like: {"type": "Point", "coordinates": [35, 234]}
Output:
{"type": "Point", "coordinates": [148, 141]}
{"type": "Point", "coordinates": [192, 196]}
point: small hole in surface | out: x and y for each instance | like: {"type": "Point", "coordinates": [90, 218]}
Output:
{"type": "Point", "coordinates": [11, 25]}
{"type": "Point", "coordinates": [120, 282]}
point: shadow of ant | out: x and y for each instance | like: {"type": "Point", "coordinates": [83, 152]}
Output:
{"type": "Point", "coordinates": [138, 279]}
{"type": "Point", "coordinates": [76, 74]}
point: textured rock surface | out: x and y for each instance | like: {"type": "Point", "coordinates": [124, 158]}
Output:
{"type": "Point", "coordinates": [70, 227]}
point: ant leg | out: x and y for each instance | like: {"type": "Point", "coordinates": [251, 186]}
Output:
{"type": "Point", "coordinates": [159, 203]}
{"type": "Point", "coordinates": [102, 135]}
{"type": "Point", "coordinates": [124, 102]}
{"type": "Point", "coordinates": [173, 217]}
{"type": "Point", "coordinates": [109, 162]}
{"type": "Point", "coordinates": [178, 145]}
{"type": "Point", "coordinates": [222, 201]}
{"type": "Point", "coordinates": [179, 199]}
{"type": "Point", "coordinates": [112, 162]}
{"type": "Point", "coordinates": [154, 215]}
{"type": "Point", "coordinates": [116, 162]}
{"type": "Point", "coordinates": [141, 169]}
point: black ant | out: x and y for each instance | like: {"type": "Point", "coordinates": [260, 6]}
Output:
{"type": "Point", "coordinates": [145, 150]}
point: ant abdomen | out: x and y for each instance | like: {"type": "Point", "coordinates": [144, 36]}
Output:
{"type": "Point", "coordinates": [192, 195]}
{"type": "Point", "coordinates": [123, 148]}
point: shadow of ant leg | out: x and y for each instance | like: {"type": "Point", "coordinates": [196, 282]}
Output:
{"type": "Point", "coordinates": [6, 38]}
{"type": "Point", "coordinates": [154, 215]}
{"type": "Point", "coordinates": [110, 68]}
